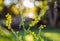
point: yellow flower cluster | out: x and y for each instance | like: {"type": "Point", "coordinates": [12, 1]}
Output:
{"type": "Point", "coordinates": [44, 8]}
{"type": "Point", "coordinates": [42, 13]}
{"type": "Point", "coordinates": [8, 20]}
{"type": "Point", "coordinates": [29, 38]}
{"type": "Point", "coordinates": [42, 26]}
{"type": "Point", "coordinates": [34, 22]}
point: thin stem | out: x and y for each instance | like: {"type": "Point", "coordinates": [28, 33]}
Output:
{"type": "Point", "coordinates": [16, 34]}
{"type": "Point", "coordinates": [39, 34]}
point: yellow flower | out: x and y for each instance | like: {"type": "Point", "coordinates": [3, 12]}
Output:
{"type": "Point", "coordinates": [44, 25]}
{"type": "Point", "coordinates": [41, 26]}
{"type": "Point", "coordinates": [15, 10]}
{"type": "Point", "coordinates": [8, 20]}
{"type": "Point", "coordinates": [29, 38]}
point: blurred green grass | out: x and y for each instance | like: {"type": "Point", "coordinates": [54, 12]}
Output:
{"type": "Point", "coordinates": [47, 34]}
{"type": "Point", "coordinates": [51, 34]}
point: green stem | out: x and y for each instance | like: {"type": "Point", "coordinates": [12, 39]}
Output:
{"type": "Point", "coordinates": [28, 29]}
{"type": "Point", "coordinates": [17, 36]}
{"type": "Point", "coordinates": [39, 34]}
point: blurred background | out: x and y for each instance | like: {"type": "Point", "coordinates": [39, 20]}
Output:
{"type": "Point", "coordinates": [30, 10]}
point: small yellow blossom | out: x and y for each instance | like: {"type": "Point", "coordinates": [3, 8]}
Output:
{"type": "Point", "coordinates": [41, 26]}
{"type": "Point", "coordinates": [29, 38]}
{"type": "Point", "coordinates": [8, 20]}
{"type": "Point", "coordinates": [44, 25]}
